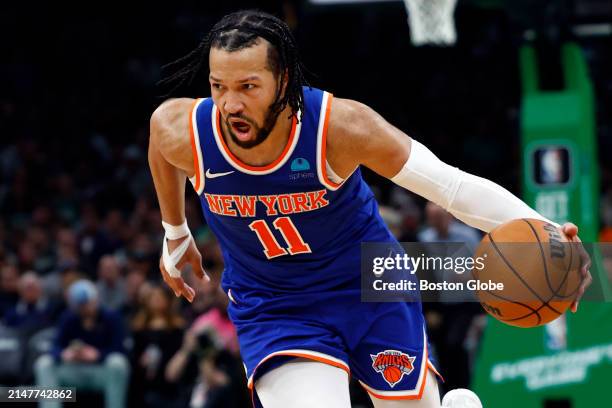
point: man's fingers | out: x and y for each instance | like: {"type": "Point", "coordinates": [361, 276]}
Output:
{"type": "Point", "coordinates": [586, 282]}
{"type": "Point", "coordinates": [179, 287]}
{"type": "Point", "coordinates": [571, 232]}
{"type": "Point", "coordinates": [166, 277]}
{"type": "Point", "coordinates": [569, 229]}
{"type": "Point", "coordinates": [586, 266]}
{"type": "Point", "coordinates": [191, 257]}
{"type": "Point", "coordinates": [196, 266]}
{"type": "Point", "coordinates": [574, 307]}
{"type": "Point", "coordinates": [185, 290]}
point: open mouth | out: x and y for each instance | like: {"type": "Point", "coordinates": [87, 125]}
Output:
{"type": "Point", "coordinates": [240, 128]}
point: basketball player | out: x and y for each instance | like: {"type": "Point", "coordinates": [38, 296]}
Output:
{"type": "Point", "coordinates": [276, 166]}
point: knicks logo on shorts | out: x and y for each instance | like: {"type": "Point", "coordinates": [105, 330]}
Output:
{"type": "Point", "coordinates": [392, 365]}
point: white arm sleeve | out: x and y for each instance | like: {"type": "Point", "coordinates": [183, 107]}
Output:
{"type": "Point", "coordinates": [474, 200]}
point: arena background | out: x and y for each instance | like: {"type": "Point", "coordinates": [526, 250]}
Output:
{"type": "Point", "coordinates": [77, 201]}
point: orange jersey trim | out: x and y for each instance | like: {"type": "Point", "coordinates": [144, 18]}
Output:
{"type": "Point", "coordinates": [194, 151]}
{"type": "Point", "coordinates": [251, 382]}
{"type": "Point", "coordinates": [400, 397]}
{"type": "Point", "coordinates": [433, 368]}
{"type": "Point", "coordinates": [323, 163]}
{"type": "Point", "coordinates": [302, 355]}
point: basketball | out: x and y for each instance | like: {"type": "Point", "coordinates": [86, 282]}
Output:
{"type": "Point", "coordinates": [392, 374]}
{"type": "Point", "coordinates": [539, 270]}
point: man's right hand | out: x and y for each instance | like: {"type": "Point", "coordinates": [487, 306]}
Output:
{"type": "Point", "coordinates": [192, 257]}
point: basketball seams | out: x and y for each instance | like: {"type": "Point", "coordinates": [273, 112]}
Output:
{"type": "Point", "coordinates": [518, 275]}
{"type": "Point", "coordinates": [542, 256]}
{"type": "Point", "coordinates": [555, 292]}
{"type": "Point", "coordinates": [559, 282]}
{"type": "Point", "coordinates": [533, 311]}
{"type": "Point", "coordinates": [514, 270]}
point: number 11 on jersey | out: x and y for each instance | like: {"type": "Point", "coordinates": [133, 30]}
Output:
{"type": "Point", "coordinates": [272, 249]}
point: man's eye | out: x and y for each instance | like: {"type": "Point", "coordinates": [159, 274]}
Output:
{"type": "Point", "coordinates": [248, 86]}
{"type": "Point", "coordinates": [216, 86]}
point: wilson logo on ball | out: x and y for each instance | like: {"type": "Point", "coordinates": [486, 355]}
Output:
{"type": "Point", "coordinates": [392, 365]}
{"type": "Point", "coordinates": [557, 247]}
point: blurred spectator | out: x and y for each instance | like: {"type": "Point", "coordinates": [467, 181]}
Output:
{"type": "Point", "coordinates": [404, 202]}
{"type": "Point", "coordinates": [111, 285]}
{"type": "Point", "coordinates": [66, 246]}
{"type": "Point", "coordinates": [26, 255]}
{"type": "Point", "coordinates": [393, 219]}
{"type": "Point", "coordinates": [66, 259]}
{"type": "Point", "coordinates": [132, 172]}
{"type": "Point", "coordinates": [210, 347]}
{"type": "Point", "coordinates": [93, 241]}
{"type": "Point", "coordinates": [143, 262]}
{"type": "Point", "coordinates": [444, 228]}
{"type": "Point", "coordinates": [450, 319]}
{"type": "Point", "coordinates": [217, 319]}
{"type": "Point", "coordinates": [9, 294]}
{"type": "Point", "coordinates": [115, 229]}
{"type": "Point", "coordinates": [65, 199]}
{"type": "Point", "coordinates": [221, 382]}
{"type": "Point", "coordinates": [157, 334]}
{"type": "Point", "coordinates": [134, 282]}
{"type": "Point", "coordinates": [88, 349]}
{"type": "Point", "coordinates": [38, 237]}
{"type": "Point", "coordinates": [33, 311]}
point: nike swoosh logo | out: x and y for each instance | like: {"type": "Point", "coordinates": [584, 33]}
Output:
{"type": "Point", "coordinates": [215, 175]}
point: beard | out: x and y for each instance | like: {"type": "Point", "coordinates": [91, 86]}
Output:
{"type": "Point", "coordinates": [261, 132]}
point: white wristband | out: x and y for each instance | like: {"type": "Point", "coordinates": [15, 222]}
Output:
{"type": "Point", "coordinates": [170, 260]}
{"type": "Point", "coordinates": [176, 231]}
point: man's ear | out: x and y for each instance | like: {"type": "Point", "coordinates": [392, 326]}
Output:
{"type": "Point", "coordinates": [284, 81]}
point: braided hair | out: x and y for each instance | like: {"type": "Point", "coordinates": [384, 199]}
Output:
{"type": "Point", "coordinates": [240, 30]}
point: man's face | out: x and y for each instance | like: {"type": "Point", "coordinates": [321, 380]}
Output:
{"type": "Point", "coordinates": [30, 289]}
{"type": "Point", "coordinates": [89, 309]}
{"type": "Point", "coordinates": [9, 279]}
{"type": "Point", "coordinates": [243, 87]}
{"type": "Point", "coordinates": [108, 269]}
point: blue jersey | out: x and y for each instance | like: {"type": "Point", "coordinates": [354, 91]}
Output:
{"type": "Point", "coordinates": [291, 240]}
{"type": "Point", "coordinates": [285, 226]}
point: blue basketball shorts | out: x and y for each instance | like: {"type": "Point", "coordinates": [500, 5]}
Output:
{"type": "Point", "coordinates": [382, 345]}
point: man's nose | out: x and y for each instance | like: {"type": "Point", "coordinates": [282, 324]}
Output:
{"type": "Point", "coordinates": [233, 105]}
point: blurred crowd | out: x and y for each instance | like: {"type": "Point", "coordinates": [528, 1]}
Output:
{"type": "Point", "coordinates": [82, 304]}
{"type": "Point", "coordinates": [81, 299]}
